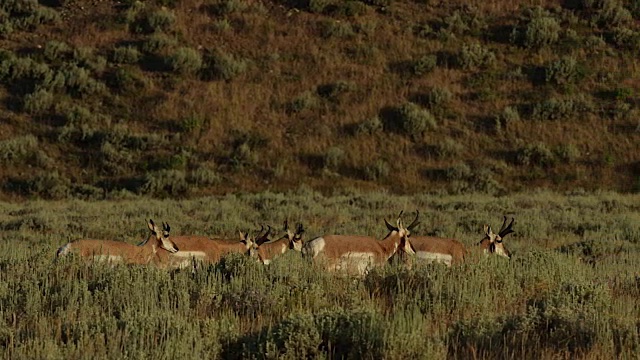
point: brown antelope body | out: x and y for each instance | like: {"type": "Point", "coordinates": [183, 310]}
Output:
{"type": "Point", "coordinates": [357, 254]}
{"type": "Point", "coordinates": [493, 243]}
{"type": "Point", "coordinates": [435, 249]}
{"type": "Point", "coordinates": [268, 250]}
{"type": "Point", "coordinates": [148, 252]}
{"type": "Point", "coordinates": [205, 249]}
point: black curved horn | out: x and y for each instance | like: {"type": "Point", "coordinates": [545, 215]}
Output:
{"type": "Point", "coordinates": [506, 230]}
{"type": "Point", "coordinates": [389, 226]}
{"type": "Point", "coordinates": [415, 221]}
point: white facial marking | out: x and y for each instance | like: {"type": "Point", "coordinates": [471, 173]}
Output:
{"type": "Point", "coordinates": [267, 262]}
{"type": "Point", "coordinates": [500, 251]}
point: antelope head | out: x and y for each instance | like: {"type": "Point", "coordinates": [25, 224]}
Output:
{"type": "Point", "coordinates": [403, 232]}
{"type": "Point", "coordinates": [295, 238]}
{"type": "Point", "coordinates": [162, 237]}
{"type": "Point", "coordinates": [492, 243]}
{"type": "Point", "coordinates": [250, 245]}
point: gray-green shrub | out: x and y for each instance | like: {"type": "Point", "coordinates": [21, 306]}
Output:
{"type": "Point", "coordinates": [563, 71]}
{"type": "Point", "coordinates": [413, 120]}
{"type": "Point", "coordinates": [18, 148]}
{"type": "Point", "coordinates": [536, 154]}
{"type": "Point", "coordinates": [537, 29]}
{"type": "Point", "coordinates": [475, 55]}
{"type": "Point", "coordinates": [125, 55]}
{"type": "Point", "coordinates": [218, 65]}
{"type": "Point", "coordinates": [185, 60]}
{"type": "Point", "coordinates": [38, 102]}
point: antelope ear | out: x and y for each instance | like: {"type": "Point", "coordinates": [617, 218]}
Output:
{"type": "Point", "coordinates": [151, 225]}
{"type": "Point", "coordinates": [487, 229]}
{"type": "Point", "coordinates": [242, 236]}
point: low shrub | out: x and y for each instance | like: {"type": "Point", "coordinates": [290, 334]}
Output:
{"type": "Point", "coordinates": [185, 61]}
{"type": "Point", "coordinates": [218, 65]}
{"type": "Point", "coordinates": [537, 29]}
{"type": "Point", "coordinates": [125, 55]}
{"type": "Point", "coordinates": [475, 56]}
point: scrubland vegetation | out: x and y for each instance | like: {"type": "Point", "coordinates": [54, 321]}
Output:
{"type": "Point", "coordinates": [181, 98]}
{"type": "Point", "coordinates": [570, 290]}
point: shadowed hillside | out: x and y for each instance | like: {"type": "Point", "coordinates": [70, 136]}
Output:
{"type": "Point", "coordinates": [183, 98]}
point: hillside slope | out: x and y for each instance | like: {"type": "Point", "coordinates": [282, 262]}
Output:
{"type": "Point", "coordinates": [184, 98]}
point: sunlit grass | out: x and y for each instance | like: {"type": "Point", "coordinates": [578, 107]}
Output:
{"type": "Point", "coordinates": [570, 290]}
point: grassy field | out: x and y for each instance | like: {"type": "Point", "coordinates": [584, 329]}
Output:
{"type": "Point", "coordinates": [570, 290]}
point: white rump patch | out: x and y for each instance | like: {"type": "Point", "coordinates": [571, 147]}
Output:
{"type": "Point", "coordinates": [435, 257]}
{"type": "Point", "coordinates": [108, 258]}
{"type": "Point", "coordinates": [64, 250]}
{"type": "Point", "coordinates": [199, 255]}
{"type": "Point", "coordinates": [360, 262]}
{"type": "Point", "coordinates": [314, 247]}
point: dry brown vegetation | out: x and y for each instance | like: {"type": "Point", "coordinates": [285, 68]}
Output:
{"type": "Point", "coordinates": [192, 97]}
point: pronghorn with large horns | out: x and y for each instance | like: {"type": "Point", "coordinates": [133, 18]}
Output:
{"type": "Point", "coordinates": [205, 249]}
{"type": "Point", "coordinates": [148, 252]}
{"type": "Point", "coordinates": [267, 251]}
{"type": "Point", "coordinates": [452, 251]}
{"type": "Point", "coordinates": [492, 243]}
{"type": "Point", "coordinates": [359, 253]}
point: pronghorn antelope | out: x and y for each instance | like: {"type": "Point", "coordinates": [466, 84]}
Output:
{"type": "Point", "coordinates": [205, 249]}
{"type": "Point", "coordinates": [267, 251]}
{"type": "Point", "coordinates": [111, 251]}
{"type": "Point", "coordinates": [359, 253]}
{"type": "Point", "coordinates": [492, 243]}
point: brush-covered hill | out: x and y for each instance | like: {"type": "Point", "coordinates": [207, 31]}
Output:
{"type": "Point", "coordinates": [192, 97]}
